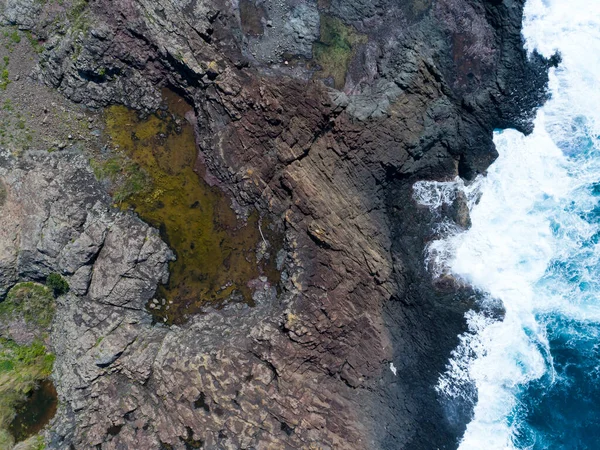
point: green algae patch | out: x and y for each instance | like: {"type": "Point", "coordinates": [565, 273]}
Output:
{"type": "Point", "coordinates": [216, 252]}
{"type": "Point", "coordinates": [33, 414]}
{"type": "Point", "coordinates": [24, 387]}
{"type": "Point", "coordinates": [27, 397]}
{"type": "Point", "coordinates": [336, 48]}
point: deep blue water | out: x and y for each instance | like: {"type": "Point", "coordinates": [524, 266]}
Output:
{"type": "Point", "coordinates": [564, 413]}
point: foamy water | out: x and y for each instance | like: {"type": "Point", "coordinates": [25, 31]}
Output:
{"type": "Point", "coordinates": [533, 244]}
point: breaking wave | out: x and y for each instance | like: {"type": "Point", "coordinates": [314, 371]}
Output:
{"type": "Point", "coordinates": [534, 245]}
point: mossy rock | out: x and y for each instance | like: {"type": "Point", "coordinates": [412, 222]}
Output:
{"type": "Point", "coordinates": [33, 301]}
{"type": "Point", "coordinates": [336, 48]}
{"type": "Point", "coordinates": [126, 177]}
{"type": "Point", "coordinates": [22, 369]}
{"type": "Point", "coordinates": [3, 194]}
{"type": "Point", "coordinates": [6, 440]}
{"type": "Point", "coordinates": [33, 443]}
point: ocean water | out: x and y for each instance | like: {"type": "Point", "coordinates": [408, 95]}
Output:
{"type": "Point", "coordinates": [534, 244]}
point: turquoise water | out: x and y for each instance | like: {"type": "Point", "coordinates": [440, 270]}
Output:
{"type": "Point", "coordinates": [535, 245]}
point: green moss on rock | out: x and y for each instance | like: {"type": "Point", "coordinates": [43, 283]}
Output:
{"type": "Point", "coordinates": [31, 300]}
{"type": "Point", "coordinates": [22, 368]}
{"type": "Point", "coordinates": [3, 194]}
{"type": "Point", "coordinates": [126, 177]}
{"type": "Point", "coordinates": [336, 48]}
{"type": "Point", "coordinates": [25, 367]}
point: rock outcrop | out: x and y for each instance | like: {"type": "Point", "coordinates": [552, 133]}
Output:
{"type": "Point", "coordinates": [327, 143]}
{"type": "Point", "coordinates": [57, 219]}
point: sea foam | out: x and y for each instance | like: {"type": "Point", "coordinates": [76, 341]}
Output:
{"type": "Point", "coordinates": [531, 244]}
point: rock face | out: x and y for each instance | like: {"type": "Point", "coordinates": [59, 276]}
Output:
{"type": "Point", "coordinates": [56, 219]}
{"type": "Point", "coordinates": [423, 84]}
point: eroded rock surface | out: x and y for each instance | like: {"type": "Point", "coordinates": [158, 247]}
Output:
{"type": "Point", "coordinates": [424, 86]}
{"type": "Point", "coordinates": [57, 219]}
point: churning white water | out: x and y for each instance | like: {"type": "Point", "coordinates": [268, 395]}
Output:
{"type": "Point", "coordinates": [533, 244]}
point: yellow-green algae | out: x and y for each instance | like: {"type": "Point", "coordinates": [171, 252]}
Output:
{"type": "Point", "coordinates": [216, 253]}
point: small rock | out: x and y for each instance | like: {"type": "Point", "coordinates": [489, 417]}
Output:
{"type": "Point", "coordinates": [459, 210]}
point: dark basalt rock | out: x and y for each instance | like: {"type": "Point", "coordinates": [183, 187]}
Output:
{"type": "Point", "coordinates": [308, 368]}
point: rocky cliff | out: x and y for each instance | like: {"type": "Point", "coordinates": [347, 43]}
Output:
{"type": "Point", "coordinates": [318, 115]}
